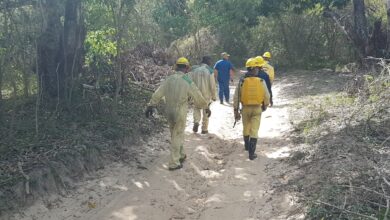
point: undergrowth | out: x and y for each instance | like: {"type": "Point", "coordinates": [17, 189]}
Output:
{"type": "Point", "coordinates": [344, 151]}
{"type": "Point", "coordinates": [32, 139]}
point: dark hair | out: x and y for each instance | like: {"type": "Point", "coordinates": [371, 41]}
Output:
{"type": "Point", "coordinates": [206, 60]}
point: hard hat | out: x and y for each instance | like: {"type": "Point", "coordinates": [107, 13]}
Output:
{"type": "Point", "coordinates": [252, 62]}
{"type": "Point", "coordinates": [182, 61]}
{"type": "Point", "coordinates": [260, 61]}
{"type": "Point", "coordinates": [267, 55]}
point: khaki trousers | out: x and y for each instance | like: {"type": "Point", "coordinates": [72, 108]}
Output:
{"type": "Point", "coordinates": [251, 117]}
{"type": "Point", "coordinates": [201, 113]}
{"type": "Point", "coordinates": [177, 140]}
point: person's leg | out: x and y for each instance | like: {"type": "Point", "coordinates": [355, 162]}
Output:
{"type": "Point", "coordinates": [246, 142]}
{"type": "Point", "coordinates": [181, 125]}
{"type": "Point", "coordinates": [197, 116]}
{"type": "Point", "coordinates": [246, 122]}
{"type": "Point", "coordinates": [220, 91]}
{"type": "Point", "coordinates": [205, 122]}
{"type": "Point", "coordinates": [255, 122]}
{"type": "Point", "coordinates": [174, 148]}
{"type": "Point", "coordinates": [227, 91]}
{"type": "Point", "coordinates": [177, 139]}
{"type": "Point", "coordinates": [246, 126]}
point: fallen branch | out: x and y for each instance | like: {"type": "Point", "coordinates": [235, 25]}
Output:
{"type": "Point", "coordinates": [368, 190]}
{"type": "Point", "coordinates": [376, 58]}
{"type": "Point", "coordinates": [347, 211]}
{"type": "Point", "coordinates": [140, 86]}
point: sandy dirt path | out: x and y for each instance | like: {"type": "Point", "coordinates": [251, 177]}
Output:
{"type": "Point", "coordinates": [217, 181]}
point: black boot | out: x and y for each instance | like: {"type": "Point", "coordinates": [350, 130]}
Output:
{"type": "Point", "coordinates": [195, 128]}
{"type": "Point", "coordinates": [246, 141]}
{"type": "Point", "coordinates": [252, 148]}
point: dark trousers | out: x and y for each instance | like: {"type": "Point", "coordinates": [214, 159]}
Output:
{"type": "Point", "coordinates": [224, 90]}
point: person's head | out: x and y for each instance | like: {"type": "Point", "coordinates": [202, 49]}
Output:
{"type": "Point", "coordinates": [206, 60]}
{"type": "Point", "coordinates": [261, 61]}
{"type": "Point", "coordinates": [267, 56]}
{"type": "Point", "coordinates": [182, 64]}
{"type": "Point", "coordinates": [252, 66]}
{"type": "Point", "coordinates": [225, 56]}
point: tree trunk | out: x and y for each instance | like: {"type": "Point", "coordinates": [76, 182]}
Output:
{"type": "Point", "coordinates": [1, 84]}
{"type": "Point", "coordinates": [49, 52]}
{"type": "Point", "coordinates": [73, 41]}
{"type": "Point", "coordinates": [360, 26]}
{"type": "Point", "coordinates": [388, 27]}
{"type": "Point", "coordinates": [119, 38]}
{"type": "Point", "coordinates": [59, 48]}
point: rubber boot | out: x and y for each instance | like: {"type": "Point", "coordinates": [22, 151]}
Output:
{"type": "Point", "coordinates": [195, 128]}
{"type": "Point", "coordinates": [252, 148]}
{"type": "Point", "coordinates": [246, 141]}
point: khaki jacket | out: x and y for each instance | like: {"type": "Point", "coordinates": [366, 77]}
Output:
{"type": "Point", "coordinates": [205, 82]}
{"type": "Point", "coordinates": [176, 90]}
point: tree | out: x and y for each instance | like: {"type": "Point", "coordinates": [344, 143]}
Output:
{"type": "Point", "coordinates": [60, 48]}
{"type": "Point", "coordinates": [356, 31]}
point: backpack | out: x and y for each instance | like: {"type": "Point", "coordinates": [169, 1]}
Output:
{"type": "Point", "coordinates": [251, 90]}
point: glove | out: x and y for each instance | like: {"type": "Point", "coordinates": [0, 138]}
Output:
{"type": "Point", "coordinates": [237, 115]}
{"type": "Point", "coordinates": [149, 111]}
{"type": "Point", "coordinates": [208, 112]}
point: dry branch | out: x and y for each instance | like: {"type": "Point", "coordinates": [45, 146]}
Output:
{"type": "Point", "coordinates": [347, 211]}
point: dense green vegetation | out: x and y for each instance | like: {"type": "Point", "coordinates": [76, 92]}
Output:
{"type": "Point", "coordinates": [77, 39]}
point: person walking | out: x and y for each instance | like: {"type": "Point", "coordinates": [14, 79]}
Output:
{"type": "Point", "coordinates": [264, 76]}
{"type": "Point", "coordinates": [253, 95]}
{"type": "Point", "coordinates": [224, 71]}
{"type": "Point", "coordinates": [269, 69]}
{"type": "Point", "coordinates": [203, 78]}
{"type": "Point", "coordinates": [177, 89]}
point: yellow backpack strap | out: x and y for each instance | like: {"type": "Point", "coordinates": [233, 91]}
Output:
{"type": "Point", "coordinates": [242, 78]}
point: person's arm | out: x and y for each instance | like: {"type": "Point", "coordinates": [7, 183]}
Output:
{"type": "Point", "coordinates": [157, 95]}
{"type": "Point", "coordinates": [197, 96]}
{"type": "Point", "coordinates": [271, 73]}
{"type": "Point", "coordinates": [215, 74]}
{"type": "Point", "coordinates": [266, 94]}
{"type": "Point", "coordinates": [231, 74]}
{"type": "Point", "coordinates": [236, 103]}
{"type": "Point", "coordinates": [231, 71]}
{"type": "Point", "coordinates": [213, 89]}
{"type": "Point", "coordinates": [268, 83]}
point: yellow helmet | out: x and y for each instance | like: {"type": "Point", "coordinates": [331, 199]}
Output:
{"type": "Point", "coordinates": [252, 62]}
{"type": "Point", "coordinates": [267, 55]}
{"type": "Point", "coordinates": [182, 61]}
{"type": "Point", "coordinates": [260, 61]}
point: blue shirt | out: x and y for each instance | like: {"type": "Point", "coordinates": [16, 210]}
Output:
{"type": "Point", "coordinates": [264, 76]}
{"type": "Point", "coordinates": [223, 67]}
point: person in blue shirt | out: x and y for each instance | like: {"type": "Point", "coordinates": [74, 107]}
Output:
{"type": "Point", "coordinates": [223, 71]}
{"type": "Point", "coordinates": [263, 75]}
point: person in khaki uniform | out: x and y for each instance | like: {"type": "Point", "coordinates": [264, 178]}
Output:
{"type": "Point", "coordinates": [253, 94]}
{"type": "Point", "coordinates": [269, 70]}
{"type": "Point", "coordinates": [267, 67]}
{"type": "Point", "coordinates": [177, 89]}
{"type": "Point", "coordinates": [203, 77]}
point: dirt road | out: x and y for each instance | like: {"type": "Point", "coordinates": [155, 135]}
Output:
{"type": "Point", "coordinates": [217, 181]}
